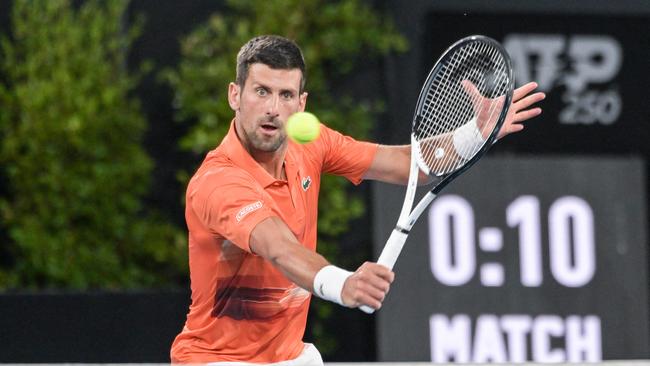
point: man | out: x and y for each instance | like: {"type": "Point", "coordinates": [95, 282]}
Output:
{"type": "Point", "coordinates": [251, 214]}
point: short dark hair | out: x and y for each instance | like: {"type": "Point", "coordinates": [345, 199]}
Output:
{"type": "Point", "coordinates": [274, 51]}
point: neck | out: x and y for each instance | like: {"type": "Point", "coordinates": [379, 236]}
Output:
{"type": "Point", "coordinates": [272, 162]}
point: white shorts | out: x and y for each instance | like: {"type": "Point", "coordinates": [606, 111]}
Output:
{"type": "Point", "coordinates": [309, 357]}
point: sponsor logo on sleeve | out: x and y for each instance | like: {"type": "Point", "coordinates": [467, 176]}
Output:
{"type": "Point", "coordinates": [248, 209]}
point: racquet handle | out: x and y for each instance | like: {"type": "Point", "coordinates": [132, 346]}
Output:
{"type": "Point", "coordinates": [392, 249]}
{"type": "Point", "coordinates": [388, 256]}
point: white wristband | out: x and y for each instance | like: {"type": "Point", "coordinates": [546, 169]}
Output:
{"type": "Point", "coordinates": [329, 281]}
{"type": "Point", "coordinates": [468, 139]}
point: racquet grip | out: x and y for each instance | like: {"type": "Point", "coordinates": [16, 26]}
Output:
{"type": "Point", "coordinates": [392, 249]}
{"type": "Point", "coordinates": [388, 256]}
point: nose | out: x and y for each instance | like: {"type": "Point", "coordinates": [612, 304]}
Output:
{"type": "Point", "coordinates": [272, 109]}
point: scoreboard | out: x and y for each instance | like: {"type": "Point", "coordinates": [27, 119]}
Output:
{"type": "Point", "coordinates": [539, 252]}
{"type": "Point", "coordinates": [521, 259]}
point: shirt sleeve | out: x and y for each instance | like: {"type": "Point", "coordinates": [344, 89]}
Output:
{"type": "Point", "coordinates": [229, 203]}
{"type": "Point", "coordinates": [345, 156]}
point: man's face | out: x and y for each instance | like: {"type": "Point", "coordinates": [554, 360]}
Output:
{"type": "Point", "coordinates": [262, 106]}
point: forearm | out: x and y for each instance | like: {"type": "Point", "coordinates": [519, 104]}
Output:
{"type": "Point", "coordinates": [272, 240]}
{"type": "Point", "coordinates": [299, 265]}
{"type": "Point", "coordinates": [392, 165]}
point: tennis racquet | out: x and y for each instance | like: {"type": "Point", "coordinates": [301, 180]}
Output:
{"type": "Point", "coordinates": [461, 108]}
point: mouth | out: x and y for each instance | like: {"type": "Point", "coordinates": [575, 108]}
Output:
{"type": "Point", "coordinates": [269, 127]}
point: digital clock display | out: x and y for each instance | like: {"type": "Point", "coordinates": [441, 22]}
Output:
{"type": "Point", "coordinates": [521, 259]}
{"type": "Point", "coordinates": [571, 246]}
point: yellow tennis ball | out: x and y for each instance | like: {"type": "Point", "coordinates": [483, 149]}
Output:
{"type": "Point", "coordinates": [303, 127]}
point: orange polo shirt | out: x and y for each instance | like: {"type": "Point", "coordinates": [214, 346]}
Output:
{"type": "Point", "coordinates": [244, 309]}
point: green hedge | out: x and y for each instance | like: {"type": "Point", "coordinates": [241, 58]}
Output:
{"type": "Point", "coordinates": [72, 166]}
{"type": "Point", "coordinates": [71, 155]}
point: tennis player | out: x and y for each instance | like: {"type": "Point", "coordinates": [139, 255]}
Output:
{"type": "Point", "coordinates": [252, 211]}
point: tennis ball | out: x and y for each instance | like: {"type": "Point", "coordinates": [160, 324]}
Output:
{"type": "Point", "coordinates": [303, 127]}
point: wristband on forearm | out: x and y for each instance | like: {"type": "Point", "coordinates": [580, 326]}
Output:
{"type": "Point", "coordinates": [468, 139]}
{"type": "Point", "coordinates": [329, 281]}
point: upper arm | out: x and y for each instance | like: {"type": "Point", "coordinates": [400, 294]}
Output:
{"type": "Point", "coordinates": [391, 164]}
{"type": "Point", "coordinates": [343, 155]}
{"type": "Point", "coordinates": [228, 203]}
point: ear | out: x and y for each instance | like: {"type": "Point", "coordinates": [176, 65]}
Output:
{"type": "Point", "coordinates": [303, 101]}
{"type": "Point", "coordinates": [234, 96]}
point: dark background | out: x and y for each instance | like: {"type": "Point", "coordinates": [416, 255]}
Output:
{"type": "Point", "coordinates": [139, 326]}
{"type": "Point", "coordinates": [431, 29]}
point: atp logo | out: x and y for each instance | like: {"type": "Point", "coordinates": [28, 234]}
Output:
{"type": "Point", "coordinates": [586, 66]}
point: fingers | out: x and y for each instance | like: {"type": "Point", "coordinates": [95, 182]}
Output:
{"type": "Point", "coordinates": [367, 286]}
{"type": "Point", "coordinates": [518, 93]}
{"type": "Point", "coordinates": [529, 100]}
{"type": "Point", "coordinates": [469, 87]}
{"type": "Point", "coordinates": [472, 92]}
{"type": "Point", "coordinates": [513, 120]}
{"type": "Point", "coordinates": [523, 90]}
{"type": "Point", "coordinates": [527, 114]}
{"type": "Point", "coordinates": [506, 130]}
{"type": "Point", "coordinates": [381, 271]}
{"type": "Point", "coordinates": [520, 112]}
{"type": "Point", "coordinates": [523, 100]}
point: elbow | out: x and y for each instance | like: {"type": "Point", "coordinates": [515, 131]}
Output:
{"type": "Point", "coordinates": [276, 256]}
{"type": "Point", "coordinates": [273, 248]}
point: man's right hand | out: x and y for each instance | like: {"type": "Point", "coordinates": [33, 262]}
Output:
{"type": "Point", "coordinates": [367, 286]}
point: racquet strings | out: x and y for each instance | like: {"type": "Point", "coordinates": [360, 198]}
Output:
{"type": "Point", "coordinates": [448, 105]}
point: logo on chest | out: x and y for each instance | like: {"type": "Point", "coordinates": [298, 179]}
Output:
{"type": "Point", "coordinates": [306, 183]}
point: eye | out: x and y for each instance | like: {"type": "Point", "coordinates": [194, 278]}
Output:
{"type": "Point", "coordinates": [261, 92]}
{"type": "Point", "coordinates": [287, 95]}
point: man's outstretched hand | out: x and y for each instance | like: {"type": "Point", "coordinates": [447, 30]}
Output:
{"type": "Point", "coordinates": [520, 109]}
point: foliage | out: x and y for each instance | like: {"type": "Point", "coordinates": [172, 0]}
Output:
{"type": "Point", "coordinates": [337, 37]}
{"type": "Point", "coordinates": [71, 154]}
